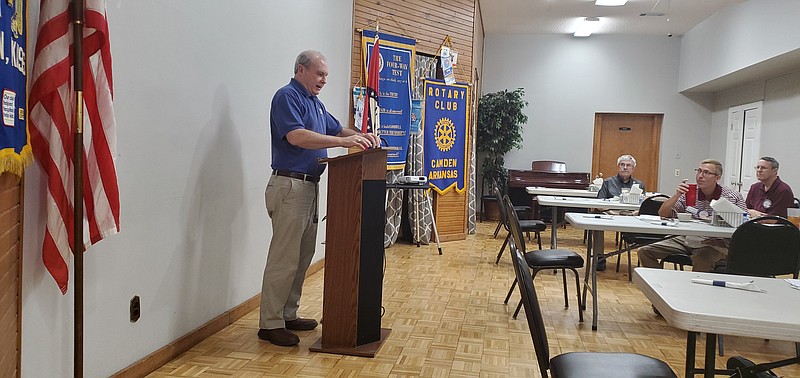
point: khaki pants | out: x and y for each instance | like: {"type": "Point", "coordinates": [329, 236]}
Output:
{"type": "Point", "coordinates": [703, 258]}
{"type": "Point", "coordinates": [292, 206]}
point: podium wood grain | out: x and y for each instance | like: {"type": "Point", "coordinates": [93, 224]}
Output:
{"type": "Point", "coordinates": [354, 255]}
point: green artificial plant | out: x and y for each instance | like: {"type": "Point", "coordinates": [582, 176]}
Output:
{"type": "Point", "coordinates": [500, 120]}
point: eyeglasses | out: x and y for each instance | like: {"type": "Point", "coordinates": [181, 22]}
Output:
{"type": "Point", "coordinates": [625, 165]}
{"type": "Point", "coordinates": [759, 168]}
{"type": "Point", "coordinates": [705, 173]}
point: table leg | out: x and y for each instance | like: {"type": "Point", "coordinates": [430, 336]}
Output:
{"type": "Point", "coordinates": [711, 351]}
{"type": "Point", "coordinates": [691, 343]}
{"type": "Point", "coordinates": [587, 269]}
{"type": "Point", "coordinates": [554, 226]}
{"type": "Point", "coordinates": [597, 249]}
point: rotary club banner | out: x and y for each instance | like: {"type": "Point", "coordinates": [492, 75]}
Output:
{"type": "Point", "coordinates": [445, 134]}
{"type": "Point", "coordinates": [15, 148]}
{"type": "Point", "coordinates": [396, 62]}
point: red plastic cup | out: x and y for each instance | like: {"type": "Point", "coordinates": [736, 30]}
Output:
{"type": "Point", "coordinates": [691, 195]}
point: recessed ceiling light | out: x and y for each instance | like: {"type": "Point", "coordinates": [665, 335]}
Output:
{"type": "Point", "coordinates": [587, 26]}
{"type": "Point", "coordinates": [610, 3]}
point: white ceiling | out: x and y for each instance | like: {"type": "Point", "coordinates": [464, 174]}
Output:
{"type": "Point", "coordinates": [663, 17]}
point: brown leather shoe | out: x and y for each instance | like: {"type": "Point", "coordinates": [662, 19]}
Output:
{"type": "Point", "coordinates": [301, 324]}
{"type": "Point", "coordinates": [278, 336]}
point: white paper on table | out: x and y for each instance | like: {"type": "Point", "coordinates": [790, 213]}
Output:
{"type": "Point", "coordinates": [749, 286]}
{"type": "Point", "coordinates": [635, 189]}
{"type": "Point", "coordinates": [722, 205]}
{"type": "Point", "coordinates": [794, 282]}
{"type": "Point", "coordinates": [649, 218]}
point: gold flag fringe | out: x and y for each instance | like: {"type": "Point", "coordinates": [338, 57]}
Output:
{"type": "Point", "coordinates": [15, 163]}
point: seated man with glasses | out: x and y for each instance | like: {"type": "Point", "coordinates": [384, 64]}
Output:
{"type": "Point", "coordinates": [770, 195]}
{"type": "Point", "coordinates": [624, 179]}
{"type": "Point", "coordinates": [613, 186]}
{"type": "Point", "coordinates": [703, 251]}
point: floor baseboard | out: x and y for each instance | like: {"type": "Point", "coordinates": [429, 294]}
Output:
{"type": "Point", "coordinates": [160, 357]}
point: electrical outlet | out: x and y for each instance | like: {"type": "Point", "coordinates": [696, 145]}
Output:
{"type": "Point", "coordinates": [677, 172]}
{"type": "Point", "coordinates": [136, 309]}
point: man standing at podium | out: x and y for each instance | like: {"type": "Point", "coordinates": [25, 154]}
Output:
{"type": "Point", "coordinates": [302, 130]}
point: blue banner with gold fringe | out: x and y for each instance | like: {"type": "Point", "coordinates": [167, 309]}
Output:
{"type": "Point", "coordinates": [396, 68]}
{"type": "Point", "coordinates": [445, 117]}
{"type": "Point", "coordinates": [15, 148]}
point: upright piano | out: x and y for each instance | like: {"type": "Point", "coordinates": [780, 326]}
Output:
{"type": "Point", "coordinates": [518, 180]}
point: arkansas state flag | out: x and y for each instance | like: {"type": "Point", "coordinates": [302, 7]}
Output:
{"type": "Point", "coordinates": [371, 123]}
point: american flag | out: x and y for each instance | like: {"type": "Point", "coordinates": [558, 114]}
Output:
{"type": "Point", "coordinates": [371, 121]}
{"type": "Point", "coordinates": [51, 120]}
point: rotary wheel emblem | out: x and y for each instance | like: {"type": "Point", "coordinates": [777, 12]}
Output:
{"type": "Point", "coordinates": [445, 134]}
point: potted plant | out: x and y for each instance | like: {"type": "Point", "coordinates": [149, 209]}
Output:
{"type": "Point", "coordinates": [500, 120]}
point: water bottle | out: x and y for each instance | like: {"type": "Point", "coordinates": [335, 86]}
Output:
{"type": "Point", "coordinates": [745, 217]}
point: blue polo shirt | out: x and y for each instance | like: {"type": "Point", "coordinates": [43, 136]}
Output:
{"type": "Point", "coordinates": [293, 107]}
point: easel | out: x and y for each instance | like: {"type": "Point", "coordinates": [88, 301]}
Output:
{"type": "Point", "coordinates": [427, 199]}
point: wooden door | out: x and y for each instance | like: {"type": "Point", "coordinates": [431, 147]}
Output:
{"type": "Point", "coordinates": [638, 135]}
{"type": "Point", "coordinates": [10, 274]}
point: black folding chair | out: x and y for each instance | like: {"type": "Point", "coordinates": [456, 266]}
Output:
{"type": "Point", "coordinates": [631, 240]}
{"type": "Point", "coordinates": [502, 184]}
{"type": "Point", "coordinates": [544, 259]}
{"type": "Point", "coordinates": [764, 249]}
{"type": "Point", "coordinates": [577, 364]}
{"type": "Point", "coordinates": [526, 225]}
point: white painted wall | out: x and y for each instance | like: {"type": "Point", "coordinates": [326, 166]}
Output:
{"type": "Point", "coordinates": [567, 80]}
{"type": "Point", "coordinates": [738, 36]}
{"type": "Point", "coordinates": [780, 121]}
{"type": "Point", "coordinates": [193, 81]}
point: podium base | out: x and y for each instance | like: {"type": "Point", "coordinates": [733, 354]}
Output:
{"type": "Point", "coordinates": [366, 350]}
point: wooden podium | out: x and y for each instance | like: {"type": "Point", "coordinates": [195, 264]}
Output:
{"type": "Point", "coordinates": [351, 308]}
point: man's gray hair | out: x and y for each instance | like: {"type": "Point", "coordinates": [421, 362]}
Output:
{"type": "Point", "coordinates": [771, 160]}
{"type": "Point", "coordinates": [626, 158]}
{"type": "Point", "coordinates": [716, 164]}
{"type": "Point", "coordinates": [306, 57]}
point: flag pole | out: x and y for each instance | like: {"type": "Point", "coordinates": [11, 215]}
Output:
{"type": "Point", "coordinates": [77, 161]}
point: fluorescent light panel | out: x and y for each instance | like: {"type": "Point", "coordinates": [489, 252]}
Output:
{"type": "Point", "coordinates": [587, 26]}
{"type": "Point", "coordinates": [610, 3]}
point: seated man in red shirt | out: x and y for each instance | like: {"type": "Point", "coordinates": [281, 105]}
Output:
{"type": "Point", "coordinates": [770, 195]}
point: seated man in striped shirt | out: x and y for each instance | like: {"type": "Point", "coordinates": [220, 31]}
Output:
{"type": "Point", "coordinates": [703, 251]}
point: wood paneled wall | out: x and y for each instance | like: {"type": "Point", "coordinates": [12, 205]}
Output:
{"type": "Point", "coordinates": [10, 274]}
{"type": "Point", "coordinates": [426, 21]}
{"type": "Point", "coordinates": [429, 22]}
